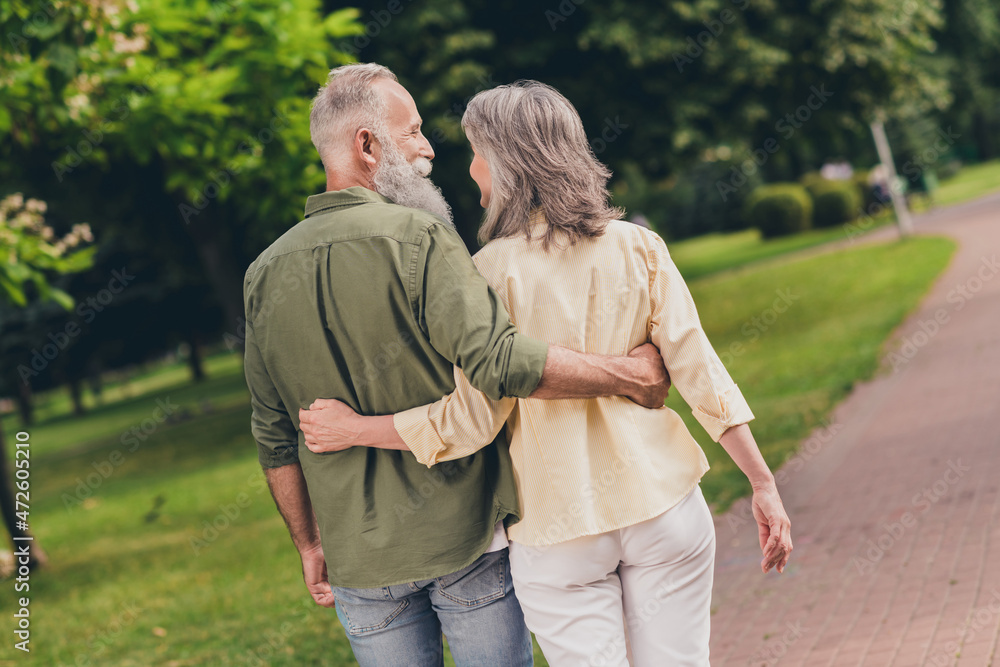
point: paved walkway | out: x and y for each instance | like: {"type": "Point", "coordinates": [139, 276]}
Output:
{"type": "Point", "coordinates": [895, 506]}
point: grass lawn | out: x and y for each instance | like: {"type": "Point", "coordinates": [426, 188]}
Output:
{"type": "Point", "coordinates": [969, 183]}
{"type": "Point", "coordinates": [712, 253]}
{"type": "Point", "coordinates": [168, 550]}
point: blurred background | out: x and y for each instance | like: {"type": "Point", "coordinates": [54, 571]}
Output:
{"type": "Point", "coordinates": [150, 149]}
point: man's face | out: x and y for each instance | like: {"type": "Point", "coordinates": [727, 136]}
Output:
{"type": "Point", "coordinates": [403, 122]}
{"type": "Point", "coordinates": [404, 161]}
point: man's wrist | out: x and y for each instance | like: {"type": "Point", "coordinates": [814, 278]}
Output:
{"type": "Point", "coordinates": [623, 376]}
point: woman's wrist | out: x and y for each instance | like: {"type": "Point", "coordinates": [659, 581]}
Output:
{"type": "Point", "coordinates": [378, 432]}
{"type": "Point", "coordinates": [763, 482]}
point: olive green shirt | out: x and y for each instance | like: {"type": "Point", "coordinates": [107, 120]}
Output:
{"type": "Point", "coordinates": [372, 304]}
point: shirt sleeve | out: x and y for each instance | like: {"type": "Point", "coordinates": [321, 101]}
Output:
{"type": "Point", "coordinates": [695, 369]}
{"type": "Point", "coordinates": [272, 428]}
{"type": "Point", "coordinates": [460, 424]}
{"type": "Point", "coordinates": [466, 322]}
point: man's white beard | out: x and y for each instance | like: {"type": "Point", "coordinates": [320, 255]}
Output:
{"type": "Point", "coordinates": [408, 184]}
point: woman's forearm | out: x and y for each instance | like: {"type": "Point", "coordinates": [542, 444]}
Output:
{"type": "Point", "coordinates": [379, 432]}
{"type": "Point", "coordinates": [742, 448]}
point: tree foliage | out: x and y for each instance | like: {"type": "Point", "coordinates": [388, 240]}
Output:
{"type": "Point", "coordinates": [179, 129]}
{"type": "Point", "coordinates": [665, 86]}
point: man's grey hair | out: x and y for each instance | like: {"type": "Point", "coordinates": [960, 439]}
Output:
{"type": "Point", "coordinates": [343, 106]}
{"type": "Point", "coordinates": [538, 155]}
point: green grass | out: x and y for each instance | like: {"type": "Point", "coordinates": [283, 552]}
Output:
{"type": "Point", "coordinates": [712, 253]}
{"type": "Point", "coordinates": [793, 367]}
{"type": "Point", "coordinates": [128, 585]}
{"type": "Point", "coordinates": [969, 183]}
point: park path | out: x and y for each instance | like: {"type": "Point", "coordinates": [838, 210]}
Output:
{"type": "Point", "coordinates": [895, 504]}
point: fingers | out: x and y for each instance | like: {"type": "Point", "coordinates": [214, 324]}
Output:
{"type": "Point", "coordinates": [324, 599]}
{"type": "Point", "coordinates": [779, 546]}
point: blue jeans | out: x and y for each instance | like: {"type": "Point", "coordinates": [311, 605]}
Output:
{"type": "Point", "coordinates": [475, 608]}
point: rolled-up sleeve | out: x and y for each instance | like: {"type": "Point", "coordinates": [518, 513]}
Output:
{"type": "Point", "coordinates": [466, 322]}
{"type": "Point", "coordinates": [695, 369]}
{"type": "Point", "coordinates": [272, 428]}
{"type": "Point", "coordinates": [460, 424]}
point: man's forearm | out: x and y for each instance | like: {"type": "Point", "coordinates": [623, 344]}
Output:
{"type": "Point", "coordinates": [288, 488]}
{"type": "Point", "coordinates": [742, 448]}
{"type": "Point", "coordinates": [570, 374]}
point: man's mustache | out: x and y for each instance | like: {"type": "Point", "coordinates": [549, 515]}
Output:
{"type": "Point", "coordinates": [423, 166]}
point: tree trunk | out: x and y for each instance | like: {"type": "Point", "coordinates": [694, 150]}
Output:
{"type": "Point", "coordinates": [76, 395]}
{"type": "Point", "coordinates": [8, 508]}
{"type": "Point", "coordinates": [25, 403]}
{"type": "Point", "coordinates": [194, 357]}
{"type": "Point", "coordinates": [984, 137]}
{"type": "Point", "coordinates": [220, 270]}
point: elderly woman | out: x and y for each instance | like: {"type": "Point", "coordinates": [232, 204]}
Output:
{"type": "Point", "coordinates": [615, 551]}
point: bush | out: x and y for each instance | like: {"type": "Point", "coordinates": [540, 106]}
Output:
{"type": "Point", "coordinates": [779, 209]}
{"type": "Point", "coordinates": [865, 190]}
{"type": "Point", "coordinates": [834, 202]}
{"type": "Point", "coordinates": [699, 199]}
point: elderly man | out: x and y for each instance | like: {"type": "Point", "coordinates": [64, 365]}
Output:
{"type": "Point", "coordinates": [372, 299]}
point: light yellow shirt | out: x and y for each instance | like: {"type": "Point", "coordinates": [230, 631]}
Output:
{"type": "Point", "coordinates": [589, 466]}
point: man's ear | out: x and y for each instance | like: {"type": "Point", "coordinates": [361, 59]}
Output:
{"type": "Point", "coordinates": [367, 148]}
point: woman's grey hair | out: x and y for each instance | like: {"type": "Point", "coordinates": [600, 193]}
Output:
{"type": "Point", "coordinates": [344, 105]}
{"type": "Point", "coordinates": [536, 149]}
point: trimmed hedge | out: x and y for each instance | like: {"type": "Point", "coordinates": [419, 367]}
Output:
{"type": "Point", "coordinates": [779, 209]}
{"type": "Point", "coordinates": [834, 202]}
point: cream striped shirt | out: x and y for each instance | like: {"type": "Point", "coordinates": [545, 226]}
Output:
{"type": "Point", "coordinates": [589, 466]}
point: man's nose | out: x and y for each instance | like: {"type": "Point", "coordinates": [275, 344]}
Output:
{"type": "Point", "coordinates": [425, 148]}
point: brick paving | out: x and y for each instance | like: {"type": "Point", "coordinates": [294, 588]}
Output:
{"type": "Point", "coordinates": [895, 505]}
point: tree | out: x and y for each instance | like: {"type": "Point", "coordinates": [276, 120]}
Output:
{"type": "Point", "coordinates": [665, 86]}
{"type": "Point", "coordinates": [180, 128]}
{"type": "Point", "coordinates": [31, 254]}
{"type": "Point", "coordinates": [970, 44]}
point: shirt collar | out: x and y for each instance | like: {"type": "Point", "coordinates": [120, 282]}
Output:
{"type": "Point", "coordinates": [352, 196]}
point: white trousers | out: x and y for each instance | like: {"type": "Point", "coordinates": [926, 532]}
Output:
{"type": "Point", "coordinates": [639, 595]}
